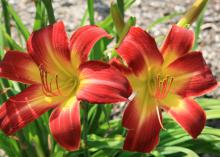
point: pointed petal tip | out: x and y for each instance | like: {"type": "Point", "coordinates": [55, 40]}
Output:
{"type": "Point", "coordinates": [178, 42]}
{"type": "Point", "coordinates": [188, 114]}
{"type": "Point", "coordinates": [192, 79]}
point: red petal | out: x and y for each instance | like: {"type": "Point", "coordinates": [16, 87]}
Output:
{"type": "Point", "coordinates": [178, 42]}
{"type": "Point", "coordinates": [200, 84]}
{"type": "Point", "coordinates": [122, 68]}
{"type": "Point", "coordinates": [186, 63]}
{"type": "Point", "coordinates": [131, 116]}
{"type": "Point", "coordinates": [49, 48]}
{"type": "Point", "coordinates": [83, 40]}
{"type": "Point", "coordinates": [192, 77]}
{"type": "Point", "coordinates": [139, 50]}
{"type": "Point", "coordinates": [101, 83]}
{"type": "Point", "coordinates": [188, 114]}
{"type": "Point", "coordinates": [65, 124]}
{"type": "Point", "coordinates": [143, 132]}
{"type": "Point", "coordinates": [19, 67]}
{"type": "Point", "coordinates": [23, 108]}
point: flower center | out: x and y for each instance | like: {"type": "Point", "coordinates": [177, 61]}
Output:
{"type": "Point", "coordinates": [163, 86]}
{"type": "Point", "coordinates": [53, 85]}
{"type": "Point", "coordinates": [158, 84]}
{"type": "Point", "coordinates": [48, 83]}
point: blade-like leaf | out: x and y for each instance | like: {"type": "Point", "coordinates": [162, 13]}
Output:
{"type": "Point", "coordinates": [175, 149]}
{"type": "Point", "coordinates": [90, 5]}
{"type": "Point", "coordinates": [22, 28]}
{"type": "Point", "coordinates": [50, 12]}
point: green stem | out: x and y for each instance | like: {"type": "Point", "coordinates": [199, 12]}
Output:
{"type": "Point", "coordinates": [85, 125]}
{"type": "Point", "coordinates": [6, 17]}
{"type": "Point", "coordinates": [50, 12]}
{"type": "Point", "coordinates": [90, 5]}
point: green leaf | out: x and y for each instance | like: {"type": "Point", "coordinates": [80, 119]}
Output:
{"type": "Point", "coordinates": [50, 12]}
{"type": "Point", "coordinates": [204, 146]}
{"type": "Point", "coordinates": [22, 28]}
{"type": "Point", "coordinates": [213, 114]}
{"type": "Point", "coordinates": [131, 22]}
{"type": "Point", "coordinates": [40, 18]}
{"type": "Point", "coordinates": [1, 39]}
{"type": "Point", "coordinates": [211, 131]}
{"type": "Point", "coordinates": [6, 17]}
{"type": "Point", "coordinates": [117, 17]}
{"type": "Point", "coordinates": [13, 43]}
{"type": "Point", "coordinates": [208, 103]}
{"type": "Point", "coordinates": [9, 145]}
{"type": "Point", "coordinates": [120, 4]}
{"type": "Point", "coordinates": [105, 153]}
{"type": "Point", "coordinates": [197, 29]}
{"type": "Point", "coordinates": [175, 149]}
{"type": "Point", "coordinates": [108, 20]}
{"type": "Point", "coordinates": [163, 19]}
{"type": "Point", "coordinates": [98, 49]}
{"type": "Point", "coordinates": [37, 20]}
{"type": "Point", "coordinates": [94, 116]}
{"type": "Point", "coordinates": [83, 21]}
{"type": "Point", "coordinates": [90, 5]}
{"type": "Point", "coordinates": [95, 142]}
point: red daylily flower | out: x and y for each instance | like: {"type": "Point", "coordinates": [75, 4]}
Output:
{"type": "Point", "coordinates": [162, 79]}
{"type": "Point", "coordinates": [60, 77]}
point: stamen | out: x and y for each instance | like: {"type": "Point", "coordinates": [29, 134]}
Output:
{"type": "Point", "coordinates": [158, 81]}
{"type": "Point", "coordinates": [159, 118]}
{"type": "Point", "coordinates": [51, 88]}
{"type": "Point", "coordinates": [46, 86]}
{"type": "Point", "coordinates": [163, 87]}
{"type": "Point", "coordinates": [157, 86]}
{"type": "Point", "coordinates": [170, 84]}
{"type": "Point", "coordinates": [46, 81]}
{"type": "Point", "coordinates": [57, 85]}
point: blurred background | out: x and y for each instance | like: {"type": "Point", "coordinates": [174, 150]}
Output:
{"type": "Point", "coordinates": [146, 12]}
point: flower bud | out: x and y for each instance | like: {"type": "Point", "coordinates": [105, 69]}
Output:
{"type": "Point", "coordinates": [192, 14]}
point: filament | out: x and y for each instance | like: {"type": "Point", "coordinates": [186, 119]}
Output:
{"type": "Point", "coordinates": [163, 86]}
{"type": "Point", "coordinates": [159, 118]}
{"type": "Point", "coordinates": [46, 85]}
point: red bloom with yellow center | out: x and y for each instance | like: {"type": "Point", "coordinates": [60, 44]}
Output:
{"type": "Point", "coordinates": [165, 79]}
{"type": "Point", "coordinates": [60, 77]}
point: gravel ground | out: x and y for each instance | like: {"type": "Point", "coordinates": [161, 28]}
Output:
{"type": "Point", "coordinates": [146, 11]}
